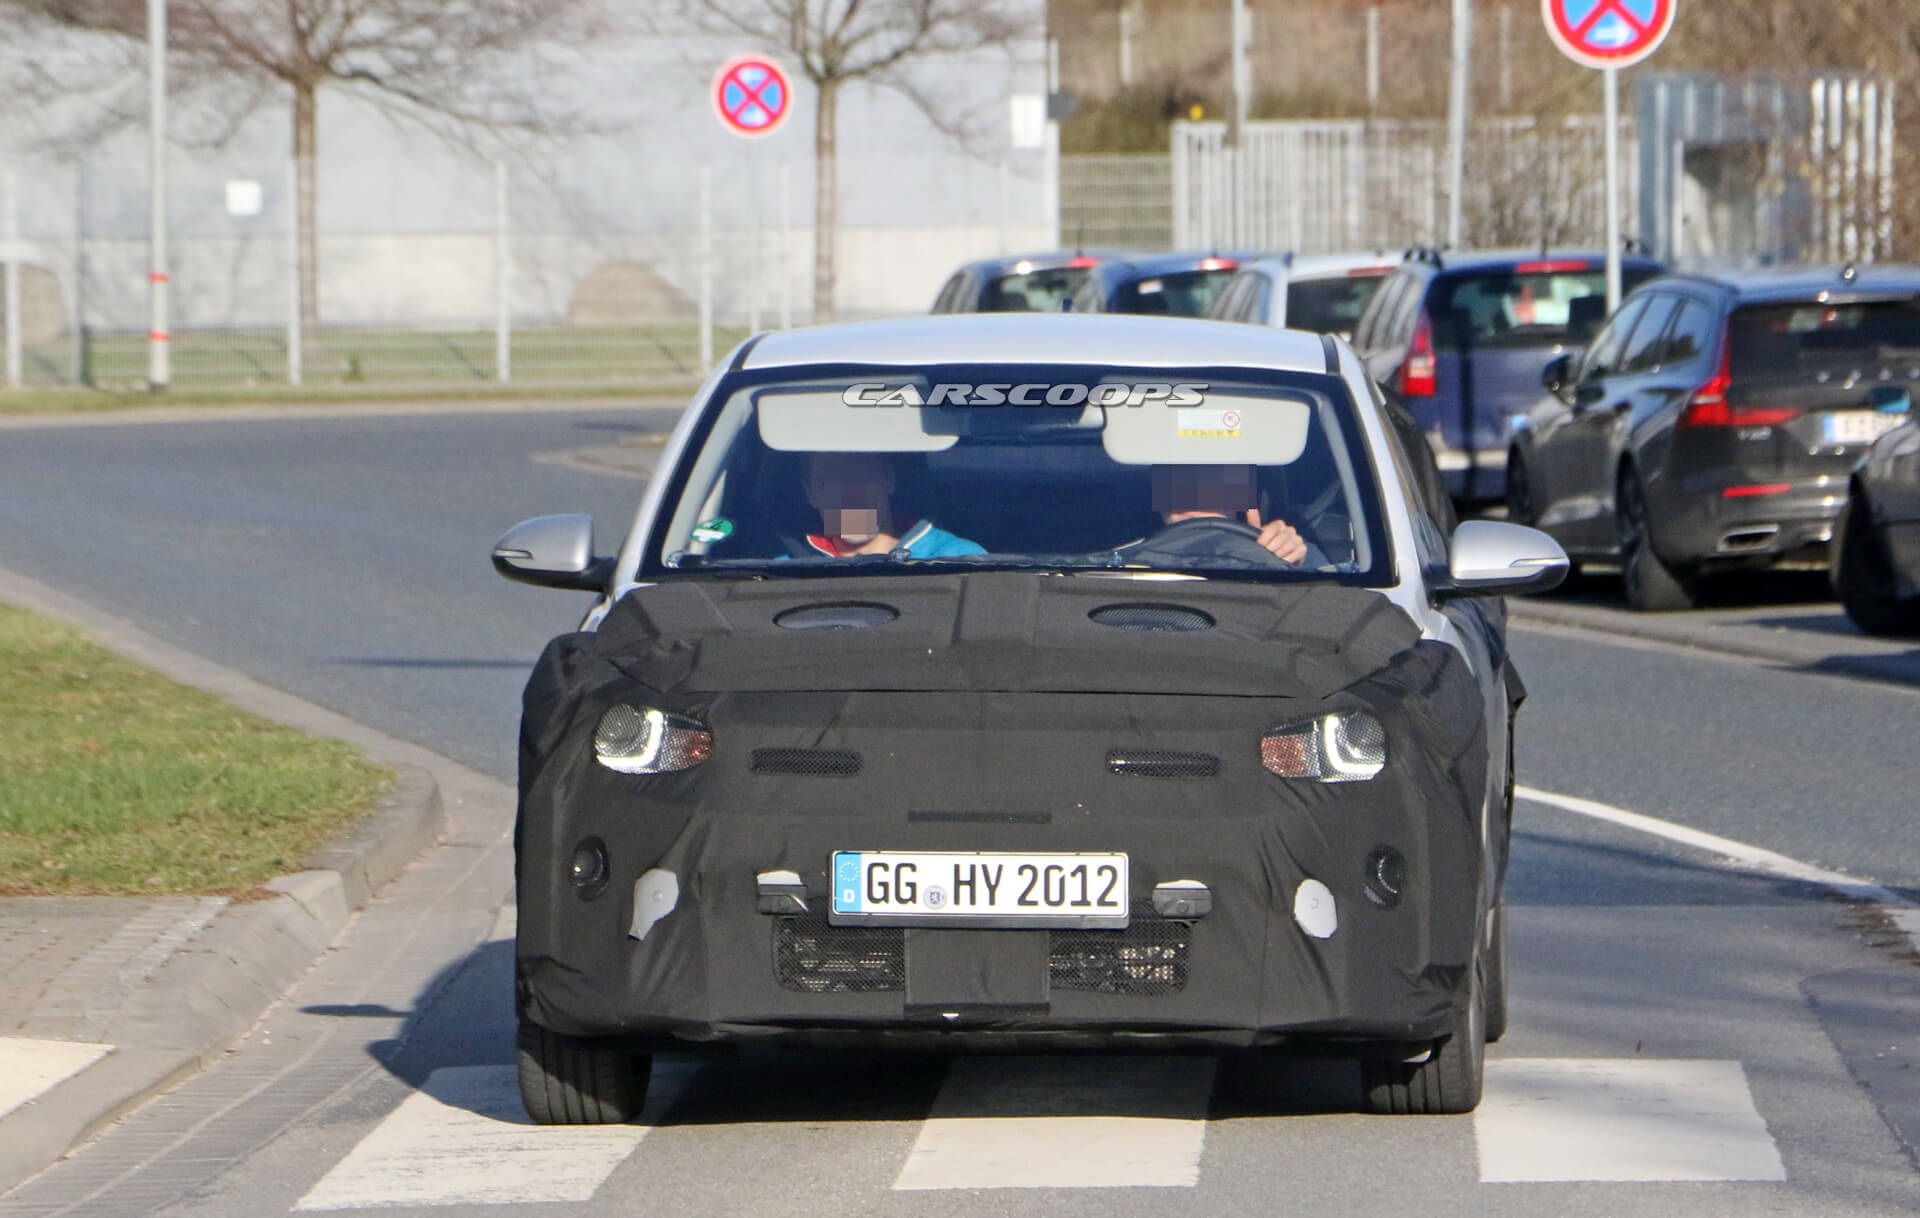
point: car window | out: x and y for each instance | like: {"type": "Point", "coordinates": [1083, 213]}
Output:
{"type": "Point", "coordinates": [1229, 305]}
{"type": "Point", "coordinates": [1371, 332]}
{"type": "Point", "coordinates": [1176, 293]}
{"type": "Point", "coordinates": [794, 472]}
{"type": "Point", "coordinates": [1540, 303]}
{"type": "Point", "coordinates": [1332, 305]}
{"type": "Point", "coordinates": [1603, 358]}
{"type": "Point", "coordinates": [1692, 334]}
{"type": "Point", "coordinates": [1032, 291]}
{"type": "Point", "coordinates": [949, 299]}
{"type": "Point", "coordinates": [1786, 340]}
{"type": "Point", "coordinates": [1649, 341]}
{"type": "Point", "coordinates": [1259, 308]}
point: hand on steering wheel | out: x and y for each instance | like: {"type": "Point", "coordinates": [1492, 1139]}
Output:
{"type": "Point", "coordinates": [1277, 537]}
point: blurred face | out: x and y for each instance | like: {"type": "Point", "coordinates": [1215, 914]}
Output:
{"type": "Point", "coordinates": [1223, 489]}
{"type": "Point", "coordinates": [850, 491]}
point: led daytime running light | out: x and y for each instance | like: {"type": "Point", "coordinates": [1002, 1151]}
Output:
{"type": "Point", "coordinates": [642, 740]}
{"type": "Point", "coordinates": [1346, 746]}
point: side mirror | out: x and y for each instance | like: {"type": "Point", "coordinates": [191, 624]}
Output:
{"type": "Point", "coordinates": [553, 552]}
{"type": "Point", "coordinates": [1494, 558]}
{"type": "Point", "coordinates": [1559, 370]}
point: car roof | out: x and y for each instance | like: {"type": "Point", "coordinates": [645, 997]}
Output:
{"type": "Point", "coordinates": [1143, 266]}
{"type": "Point", "coordinates": [1315, 266]}
{"type": "Point", "coordinates": [1119, 340]}
{"type": "Point", "coordinates": [1755, 285]}
{"type": "Point", "coordinates": [1501, 259]}
{"type": "Point", "coordinates": [1046, 260]}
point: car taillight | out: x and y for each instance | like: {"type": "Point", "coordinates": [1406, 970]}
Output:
{"type": "Point", "coordinates": [1708, 406]}
{"type": "Point", "coordinates": [1417, 379]}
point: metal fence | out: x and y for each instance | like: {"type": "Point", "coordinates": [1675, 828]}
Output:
{"type": "Point", "coordinates": [1119, 202]}
{"type": "Point", "coordinates": [1322, 186]}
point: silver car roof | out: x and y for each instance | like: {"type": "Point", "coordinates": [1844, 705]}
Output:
{"type": "Point", "coordinates": [1108, 340]}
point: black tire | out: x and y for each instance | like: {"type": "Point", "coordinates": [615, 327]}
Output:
{"type": "Point", "coordinates": [1448, 1081]}
{"type": "Point", "coordinates": [1651, 585]}
{"type": "Point", "coordinates": [1863, 577]}
{"type": "Point", "coordinates": [1521, 508]}
{"type": "Point", "coordinates": [568, 1080]}
{"type": "Point", "coordinates": [1496, 973]}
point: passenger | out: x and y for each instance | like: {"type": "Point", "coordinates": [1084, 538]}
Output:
{"type": "Point", "coordinates": [853, 493]}
{"type": "Point", "coordinates": [1212, 519]}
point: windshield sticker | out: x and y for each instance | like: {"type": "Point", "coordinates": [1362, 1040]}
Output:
{"type": "Point", "coordinates": [710, 531]}
{"type": "Point", "coordinates": [1007, 394]}
{"type": "Point", "coordinates": [1208, 424]}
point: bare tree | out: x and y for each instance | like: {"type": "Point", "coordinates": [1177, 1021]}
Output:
{"type": "Point", "coordinates": [838, 42]}
{"type": "Point", "coordinates": [457, 68]}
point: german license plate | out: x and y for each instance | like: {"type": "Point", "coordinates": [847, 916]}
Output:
{"type": "Point", "coordinates": [1858, 426]}
{"type": "Point", "coordinates": [886, 888]}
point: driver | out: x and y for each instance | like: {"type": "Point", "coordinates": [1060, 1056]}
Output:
{"type": "Point", "coordinates": [853, 492]}
{"type": "Point", "coordinates": [1212, 519]}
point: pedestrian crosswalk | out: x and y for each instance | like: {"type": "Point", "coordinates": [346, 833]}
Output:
{"type": "Point", "coordinates": [1012, 1122]}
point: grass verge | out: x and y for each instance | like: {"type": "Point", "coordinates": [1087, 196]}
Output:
{"type": "Point", "coordinates": [120, 781]}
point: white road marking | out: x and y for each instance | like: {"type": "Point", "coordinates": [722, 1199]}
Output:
{"type": "Point", "coordinates": [504, 923]}
{"type": "Point", "coordinates": [1064, 1122]}
{"type": "Point", "coordinates": [1545, 1119]}
{"type": "Point", "coordinates": [463, 1140]}
{"type": "Point", "coordinates": [1753, 857]}
{"type": "Point", "coordinates": [29, 1068]}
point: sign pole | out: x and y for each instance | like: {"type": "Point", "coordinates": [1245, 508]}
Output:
{"type": "Point", "coordinates": [706, 268]}
{"type": "Point", "coordinates": [159, 355]}
{"type": "Point", "coordinates": [1612, 109]}
{"type": "Point", "coordinates": [1459, 98]}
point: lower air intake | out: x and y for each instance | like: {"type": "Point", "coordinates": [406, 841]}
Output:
{"type": "Point", "coordinates": [812, 957]}
{"type": "Point", "coordinates": [1146, 960]}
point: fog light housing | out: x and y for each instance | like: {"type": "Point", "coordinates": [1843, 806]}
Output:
{"type": "Point", "coordinates": [1385, 877]}
{"type": "Point", "coordinates": [1346, 746]}
{"type": "Point", "coordinates": [643, 740]}
{"type": "Point", "coordinates": [589, 869]}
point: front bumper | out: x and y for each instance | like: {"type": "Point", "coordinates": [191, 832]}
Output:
{"type": "Point", "coordinates": [1029, 776]}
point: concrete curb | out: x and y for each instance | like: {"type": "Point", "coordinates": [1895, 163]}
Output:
{"type": "Point", "coordinates": [208, 994]}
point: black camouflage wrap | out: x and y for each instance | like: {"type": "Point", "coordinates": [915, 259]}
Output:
{"type": "Point", "coordinates": [983, 716]}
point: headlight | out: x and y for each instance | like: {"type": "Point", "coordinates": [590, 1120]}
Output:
{"type": "Point", "coordinates": [642, 740]}
{"type": "Point", "coordinates": [1347, 746]}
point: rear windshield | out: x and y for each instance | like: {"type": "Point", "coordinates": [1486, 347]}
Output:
{"type": "Point", "coordinates": [1523, 307]}
{"type": "Point", "coordinates": [1330, 306]}
{"type": "Point", "coordinates": [1181, 293]}
{"type": "Point", "coordinates": [1042, 291]}
{"type": "Point", "coordinates": [1782, 340]}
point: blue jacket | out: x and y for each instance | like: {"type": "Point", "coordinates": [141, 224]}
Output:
{"type": "Point", "coordinates": [923, 540]}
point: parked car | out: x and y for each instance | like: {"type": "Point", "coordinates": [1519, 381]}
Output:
{"type": "Point", "coordinates": [1180, 285]}
{"type": "Point", "coordinates": [1024, 283]}
{"type": "Point", "coordinates": [1459, 339]}
{"type": "Point", "coordinates": [1325, 293]}
{"type": "Point", "coordinates": [966, 767]}
{"type": "Point", "coordinates": [1715, 421]}
{"type": "Point", "coordinates": [1876, 540]}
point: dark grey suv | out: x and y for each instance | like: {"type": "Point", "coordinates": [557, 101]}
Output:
{"type": "Point", "coordinates": [1714, 421]}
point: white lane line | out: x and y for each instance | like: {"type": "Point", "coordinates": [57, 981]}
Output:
{"type": "Point", "coordinates": [29, 1068]}
{"type": "Point", "coordinates": [1064, 1122]}
{"type": "Point", "coordinates": [1548, 1119]}
{"type": "Point", "coordinates": [1752, 857]}
{"type": "Point", "coordinates": [504, 923]}
{"type": "Point", "coordinates": [463, 1140]}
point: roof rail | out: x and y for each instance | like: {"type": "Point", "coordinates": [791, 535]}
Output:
{"type": "Point", "coordinates": [1424, 253]}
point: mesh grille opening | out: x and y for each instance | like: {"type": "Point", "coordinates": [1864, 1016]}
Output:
{"type": "Point", "coordinates": [1162, 763]}
{"type": "Point", "coordinates": [823, 762]}
{"type": "Point", "coordinates": [1146, 960]}
{"type": "Point", "coordinates": [812, 957]}
{"type": "Point", "coordinates": [1152, 617]}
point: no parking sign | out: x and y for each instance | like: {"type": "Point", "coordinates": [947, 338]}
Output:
{"type": "Point", "coordinates": [1608, 33]}
{"type": "Point", "coordinates": [751, 95]}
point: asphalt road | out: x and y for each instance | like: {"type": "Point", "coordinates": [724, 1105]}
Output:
{"type": "Point", "coordinates": [1680, 1040]}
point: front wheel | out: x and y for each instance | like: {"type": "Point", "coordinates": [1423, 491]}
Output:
{"type": "Point", "coordinates": [1449, 1080]}
{"type": "Point", "coordinates": [1863, 577]}
{"type": "Point", "coordinates": [571, 1080]}
{"type": "Point", "coordinates": [1496, 972]}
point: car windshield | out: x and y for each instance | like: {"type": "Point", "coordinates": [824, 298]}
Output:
{"type": "Point", "coordinates": [797, 473]}
{"type": "Point", "coordinates": [1042, 291]}
{"type": "Point", "coordinates": [1331, 306]}
{"type": "Point", "coordinates": [1785, 340]}
{"type": "Point", "coordinates": [1178, 293]}
{"type": "Point", "coordinates": [1532, 305]}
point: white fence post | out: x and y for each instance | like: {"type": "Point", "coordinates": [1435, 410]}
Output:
{"type": "Point", "coordinates": [296, 349]}
{"type": "Point", "coordinates": [12, 185]}
{"type": "Point", "coordinates": [502, 276]}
